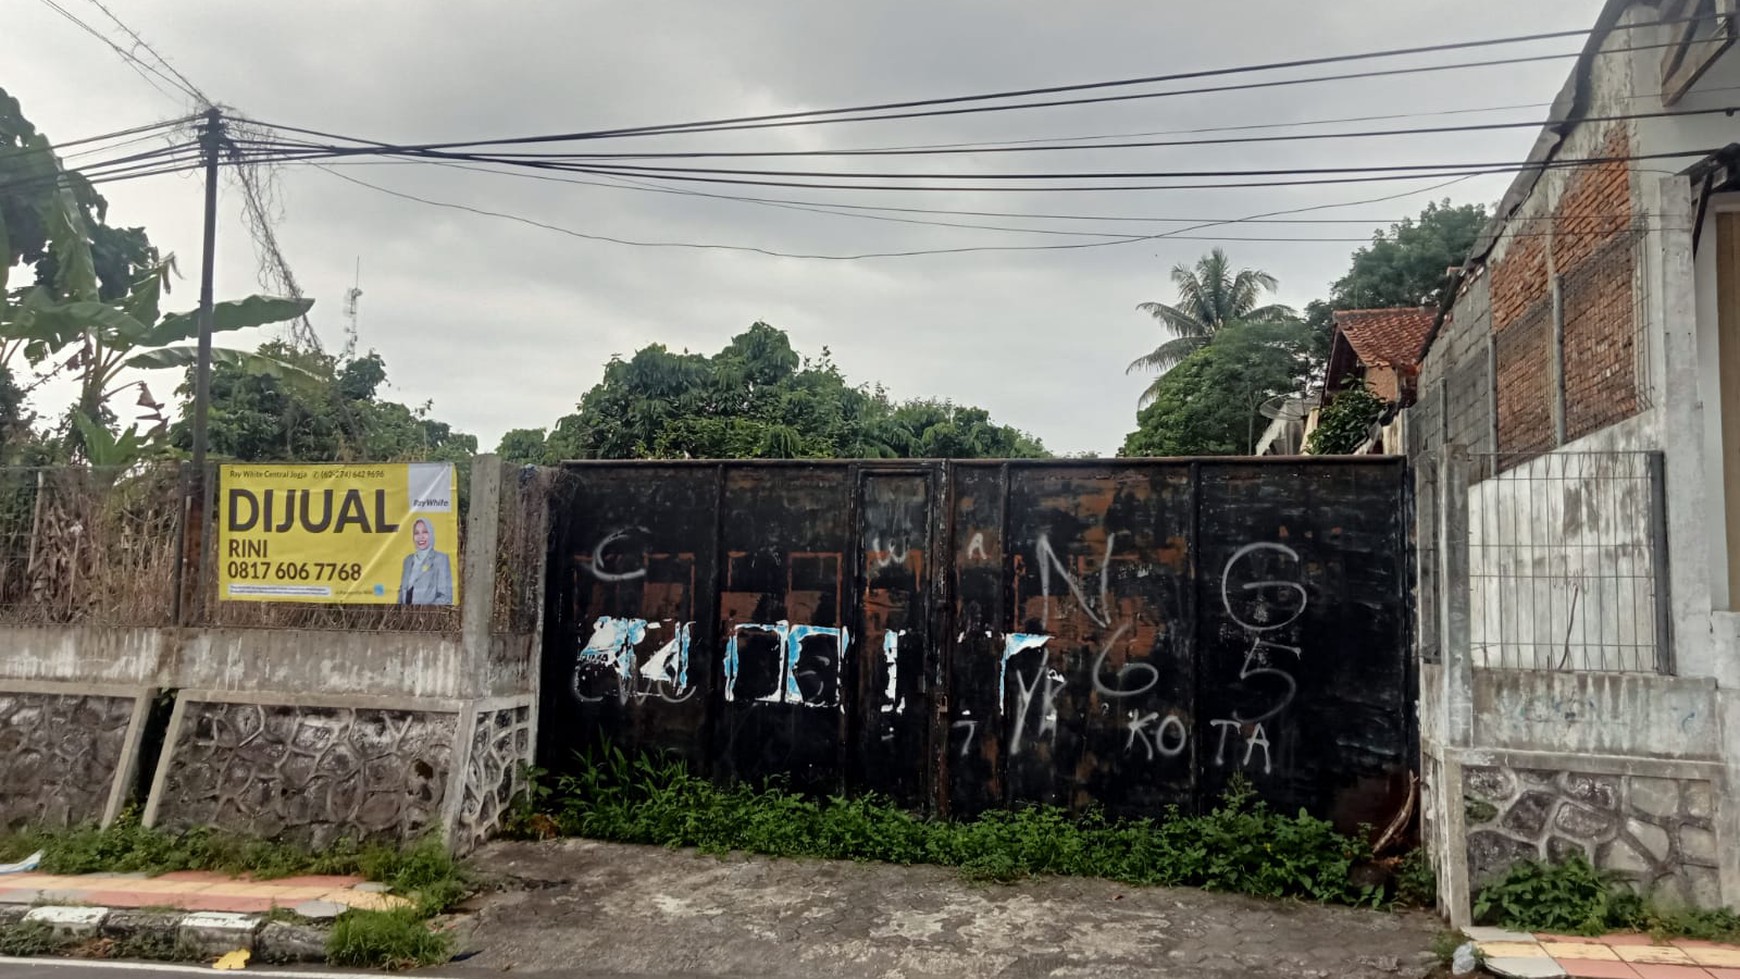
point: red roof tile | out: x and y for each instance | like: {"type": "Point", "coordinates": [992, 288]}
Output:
{"type": "Point", "coordinates": [1387, 337]}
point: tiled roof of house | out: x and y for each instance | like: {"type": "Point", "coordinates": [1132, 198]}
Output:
{"type": "Point", "coordinates": [1387, 337]}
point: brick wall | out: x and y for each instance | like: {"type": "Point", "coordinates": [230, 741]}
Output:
{"type": "Point", "coordinates": [1587, 239]}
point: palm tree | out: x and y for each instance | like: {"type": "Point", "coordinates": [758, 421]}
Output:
{"type": "Point", "coordinates": [1210, 296]}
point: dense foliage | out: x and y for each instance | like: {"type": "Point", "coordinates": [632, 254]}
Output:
{"type": "Point", "coordinates": [1240, 845]}
{"type": "Point", "coordinates": [1404, 266]}
{"type": "Point", "coordinates": [1345, 422]}
{"type": "Point", "coordinates": [1572, 897]}
{"type": "Point", "coordinates": [1208, 404]}
{"type": "Point", "coordinates": [756, 399]}
{"type": "Point", "coordinates": [333, 414]}
{"type": "Point", "coordinates": [94, 306]}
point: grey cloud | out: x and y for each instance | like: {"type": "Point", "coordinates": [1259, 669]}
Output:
{"type": "Point", "coordinates": [504, 325]}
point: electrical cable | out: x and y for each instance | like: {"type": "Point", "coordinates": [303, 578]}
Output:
{"type": "Point", "coordinates": [185, 83]}
{"type": "Point", "coordinates": [817, 116]}
{"type": "Point", "coordinates": [1176, 235]}
{"type": "Point", "coordinates": [132, 60]}
{"type": "Point", "coordinates": [1054, 147]}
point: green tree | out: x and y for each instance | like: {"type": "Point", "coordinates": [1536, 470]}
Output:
{"type": "Point", "coordinates": [1210, 296]}
{"type": "Point", "coordinates": [758, 398]}
{"type": "Point", "coordinates": [330, 413]}
{"type": "Point", "coordinates": [523, 446]}
{"type": "Point", "coordinates": [1404, 266]}
{"type": "Point", "coordinates": [1207, 405]}
{"type": "Point", "coordinates": [96, 290]}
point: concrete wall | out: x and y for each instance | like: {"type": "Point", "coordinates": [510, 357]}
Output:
{"type": "Point", "coordinates": [303, 734]}
{"type": "Point", "coordinates": [1633, 769]}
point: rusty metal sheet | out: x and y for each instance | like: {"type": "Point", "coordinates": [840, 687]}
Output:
{"type": "Point", "coordinates": [962, 636]}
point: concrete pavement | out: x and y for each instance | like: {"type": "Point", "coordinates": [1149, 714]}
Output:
{"type": "Point", "coordinates": [578, 907]}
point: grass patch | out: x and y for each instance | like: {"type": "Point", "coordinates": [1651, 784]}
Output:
{"type": "Point", "coordinates": [1241, 845]}
{"type": "Point", "coordinates": [424, 872]}
{"type": "Point", "coordinates": [398, 939]}
{"type": "Point", "coordinates": [1573, 897]}
{"type": "Point", "coordinates": [27, 938]}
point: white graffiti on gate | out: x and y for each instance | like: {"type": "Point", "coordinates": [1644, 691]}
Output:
{"type": "Point", "coordinates": [885, 557]}
{"type": "Point", "coordinates": [1166, 736]}
{"type": "Point", "coordinates": [1259, 620]}
{"type": "Point", "coordinates": [607, 664]}
{"type": "Point", "coordinates": [1048, 560]}
{"type": "Point", "coordinates": [597, 564]}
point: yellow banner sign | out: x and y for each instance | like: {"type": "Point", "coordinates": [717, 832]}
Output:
{"type": "Point", "coordinates": [373, 534]}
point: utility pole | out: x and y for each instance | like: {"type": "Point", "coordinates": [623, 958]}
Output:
{"type": "Point", "coordinates": [190, 588]}
{"type": "Point", "coordinates": [211, 141]}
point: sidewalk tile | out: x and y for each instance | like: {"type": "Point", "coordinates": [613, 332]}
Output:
{"type": "Point", "coordinates": [1588, 951]}
{"type": "Point", "coordinates": [200, 876]}
{"type": "Point", "coordinates": [240, 905]}
{"type": "Point", "coordinates": [240, 889]}
{"type": "Point", "coordinates": [1625, 938]}
{"type": "Point", "coordinates": [1597, 969]}
{"type": "Point", "coordinates": [1656, 954]}
{"type": "Point", "coordinates": [301, 893]}
{"type": "Point", "coordinates": [1481, 933]}
{"type": "Point", "coordinates": [1520, 967]}
{"type": "Point", "coordinates": [1511, 950]}
{"type": "Point", "coordinates": [325, 882]}
{"type": "Point", "coordinates": [1653, 970]}
{"type": "Point", "coordinates": [125, 899]}
{"type": "Point", "coordinates": [1721, 973]}
{"type": "Point", "coordinates": [1712, 954]}
{"type": "Point", "coordinates": [18, 896]}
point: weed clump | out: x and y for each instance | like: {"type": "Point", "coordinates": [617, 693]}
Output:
{"type": "Point", "coordinates": [1241, 845]}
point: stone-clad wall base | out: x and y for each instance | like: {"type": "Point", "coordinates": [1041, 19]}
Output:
{"type": "Point", "coordinates": [1657, 833]}
{"type": "Point", "coordinates": [305, 774]}
{"type": "Point", "coordinates": [64, 755]}
{"type": "Point", "coordinates": [501, 749]}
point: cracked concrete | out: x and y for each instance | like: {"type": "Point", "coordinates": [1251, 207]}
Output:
{"type": "Point", "coordinates": [578, 906]}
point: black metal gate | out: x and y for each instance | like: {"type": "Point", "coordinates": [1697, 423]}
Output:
{"type": "Point", "coordinates": [967, 635]}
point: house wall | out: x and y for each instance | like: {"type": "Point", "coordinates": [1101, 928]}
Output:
{"type": "Point", "coordinates": [1536, 743]}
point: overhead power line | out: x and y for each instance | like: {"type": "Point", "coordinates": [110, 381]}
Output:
{"type": "Point", "coordinates": [814, 116]}
{"type": "Point", "coordinates": [184, 82]}
{"type": "Point", "coordinates": [144, 69]}
{"type": "Point", "coordinates": [1180, 234]}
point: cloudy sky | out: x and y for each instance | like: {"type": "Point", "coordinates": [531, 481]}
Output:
{"type": "Point", "coordinates": [505, 325]}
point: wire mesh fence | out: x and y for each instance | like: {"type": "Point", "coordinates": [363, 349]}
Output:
{"type": "Point", "coordinates": [1565, 560]}
{"type": "Point", "coordinates": [84, 545]}
{"type": "Point", "coordinates": [126, 548]}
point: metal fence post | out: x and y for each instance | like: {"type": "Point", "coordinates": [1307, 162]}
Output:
{"type": "Point", "coordinates": [1658, 558]}
{"type": "Point", "coordinates": [1558, 365]}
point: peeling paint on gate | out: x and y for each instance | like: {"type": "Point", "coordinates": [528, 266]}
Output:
{"type": "Point", "coordinates": [971, 635]}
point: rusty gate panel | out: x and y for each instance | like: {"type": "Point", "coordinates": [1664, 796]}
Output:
{"type": "Point", "coordinates": [1306, 682]}
{"type": "Point", "coordinates": [971, 757]}
{"type": "Point", "coordinates": [786, 548]}
{"type": "Point", "coordinates": [630, 651]}
{"type": "Point", "coordinates": [1098, 678]}
{"type": "Point", "coordinates": [1123, 634]}
{"type": "Point", "coordinates": [896, 544]}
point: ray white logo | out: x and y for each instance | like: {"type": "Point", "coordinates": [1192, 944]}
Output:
{"type": "Point", "coordinates": [430, 486]}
